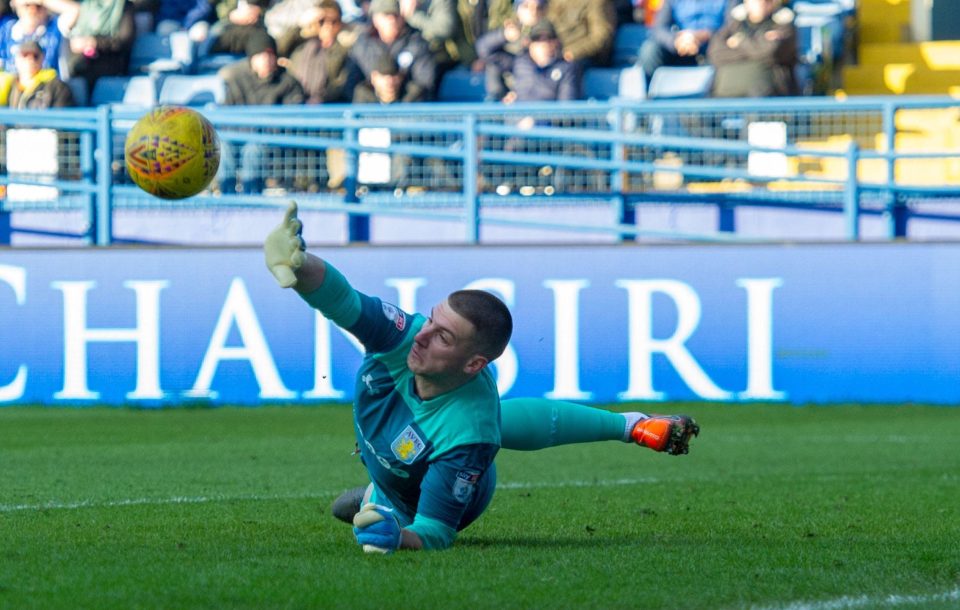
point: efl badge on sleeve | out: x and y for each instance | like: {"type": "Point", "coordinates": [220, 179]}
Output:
{"type": "Point", "coordinates": [465, 485]}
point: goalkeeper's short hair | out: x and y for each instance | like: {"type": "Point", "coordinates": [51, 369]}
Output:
{"type": "Point", "coordinates": [489, 316]}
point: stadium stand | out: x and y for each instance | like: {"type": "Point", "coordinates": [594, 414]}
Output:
{"type": "Point", "coordinates": [679, 148]}
{"type": "Point", "coordinates": [129, 90]}
{"type": "Point", "coordinates": [159, 53]}
{"type": "Point", "coordinates": [209, 62]}
{"type": "Point", "coordinates": [462, 85]}
{"type": "Point", "coordinates": [627, 83]}
{"type": "Point", "coordinates": [891, 63]}
{"type": "Point", "coordinates": [192, 89]}
{"type": "Point", "coordinates": [80, 90]}
{"type": "Point", "coordinates": [627, 42]}
{"type": "Point", "coordinates": [681, 82]}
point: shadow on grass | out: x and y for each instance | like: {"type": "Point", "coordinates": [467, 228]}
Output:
{"type": "Point", "coordinates": [552, 542]}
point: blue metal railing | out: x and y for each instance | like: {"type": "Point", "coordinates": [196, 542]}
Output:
{"type": "Point", "coordinates": [454, 155]}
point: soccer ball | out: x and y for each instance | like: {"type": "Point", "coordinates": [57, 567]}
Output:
{"type": "Point", "coordinates": [172, 152]}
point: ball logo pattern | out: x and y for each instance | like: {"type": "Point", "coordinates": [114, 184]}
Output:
{"type": "Point", "coordinates": [172, 152]}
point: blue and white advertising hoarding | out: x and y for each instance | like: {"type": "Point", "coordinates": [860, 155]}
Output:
{"type": "Point", "coordinates": [796, 324]}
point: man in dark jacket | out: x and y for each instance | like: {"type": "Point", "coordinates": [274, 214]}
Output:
{"type": "Point", "coordinates": [755, 52]}
{"type": "Point", "coordinates": [542, 74]}
{"type": "Point", "coordinates": [323, 64]}
{"type": "Point", "coordinates": [411, 52]}
{"type": "Point", "coordinates": [259, 80]}
{"type": "Point", "coordinates": [33, 87]}
{"type": "Point", "coordinates": [255, 81]}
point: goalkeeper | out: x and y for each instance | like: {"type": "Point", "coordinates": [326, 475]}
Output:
{"type": "Point", "coordinates": [427, 414]}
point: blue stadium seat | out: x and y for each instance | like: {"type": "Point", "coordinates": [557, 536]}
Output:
{"type": "Point", "coordinates": [132, 90]}
{"type": "Point", "coordinates": [156, 53]}
{"type": "Point", "coordinates": [193, 90]}
{"type": "Point", "coordinates": [627, 42]}
{"type": "Point", "coordinates": [681, 82]}
{"type": "Point", "coordinates": [462, 85]}
{"type": "Point", "coordinates": [79, 89]}
{"type": "Point", "coordinates": [607, 83]}
{"type": "Point", "coordinates": [211, 64]}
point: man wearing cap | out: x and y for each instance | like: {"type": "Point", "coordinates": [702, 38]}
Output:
{"type": "Point", "coordinates": [408, 49]}
{"type": "Point", "coordinates": [259, 80]}
{"type": "Point", "coordinates": [255, 81]}
{"type": "Point", "coordinates": [386, 84]}
{"type": "Point", "coordinates": [45, 21]}
{"type": "Point", "coordinates": [33, 87]}
{"type": "Point", "coordinates": [542, 74]}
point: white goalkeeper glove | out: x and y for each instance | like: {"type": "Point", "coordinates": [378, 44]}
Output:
{"type": "Point", "coordinates": [284, 248]}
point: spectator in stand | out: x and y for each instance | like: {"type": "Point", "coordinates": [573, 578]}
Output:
{"type": "Point", "coordinates": [33, 87]}
{"type": "Point", "coordinates": [259, 80]}
{"type": "Point", "coordinates": [542, 74]}
{"type": "Point", "coordinates": [293, 22]}
{"type": "Point", "coordinates": [539, 75]}
{"type": "Point", "coordinates": [44, 21]}
{"type": "Point", "coordinates": [101, 40]}
{"type": "Point", "coordinates": [240, 25]}
{"type": "Point", "coordinates": [290, 22]}
{"type": "Point", "coordinates": [585, 29]}
{"type": "Point", "coordinates": [386, 84]}
{"type": "Point", "coordinates": [323, 65]}
{"type": "Point", "coordinates": [481, 16]}
{"type": "Point", "coordinates": [680, 33]}
{"type": "Point", "coordinates": [256, 81]}
{"type": "Point", "coordinates": [755, 52]}
{"type": "Point", "coordinates": [439, 24]}
{"type": "Point", "coordinates": [194, 16]}
{"type": "Point", "coordinates": [326, 71]}
{"type": "Point", "coordinates": [499, 48]}
{"type": "Point", "coordinates": [404, 44]}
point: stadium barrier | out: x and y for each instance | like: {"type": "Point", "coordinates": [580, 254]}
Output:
{"type": "Point", "coordinates": [711, 170]}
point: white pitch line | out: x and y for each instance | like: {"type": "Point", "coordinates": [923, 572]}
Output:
{"type": "Point", "coordinates": [13, 508]}
{"type": "Point", "coordinates": [864, 601]}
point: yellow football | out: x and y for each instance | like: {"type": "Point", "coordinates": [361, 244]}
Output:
{"type": "Point", "coordinates": [172, 152]}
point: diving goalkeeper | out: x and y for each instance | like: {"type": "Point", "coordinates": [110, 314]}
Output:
{"type": "Point", "coordinates": [427, 414]}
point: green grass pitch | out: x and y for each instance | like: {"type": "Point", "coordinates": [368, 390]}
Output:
{"type": "Point", "coordinates": [775, 507]}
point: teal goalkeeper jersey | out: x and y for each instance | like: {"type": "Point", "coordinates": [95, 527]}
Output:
{"type": "Point", "coordinates": [430, 460]}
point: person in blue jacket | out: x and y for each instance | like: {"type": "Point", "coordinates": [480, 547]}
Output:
{"type": "Point", "coordinates": [680, 33]}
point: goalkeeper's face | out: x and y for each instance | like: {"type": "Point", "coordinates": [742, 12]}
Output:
{"type": "Point", "coordinates": [445, 347]}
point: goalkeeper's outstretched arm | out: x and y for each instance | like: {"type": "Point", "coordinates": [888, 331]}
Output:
{"type": "Point", "coordinates": [287, 258]}
{"type": "Point", "coordinates": [320, 284]}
